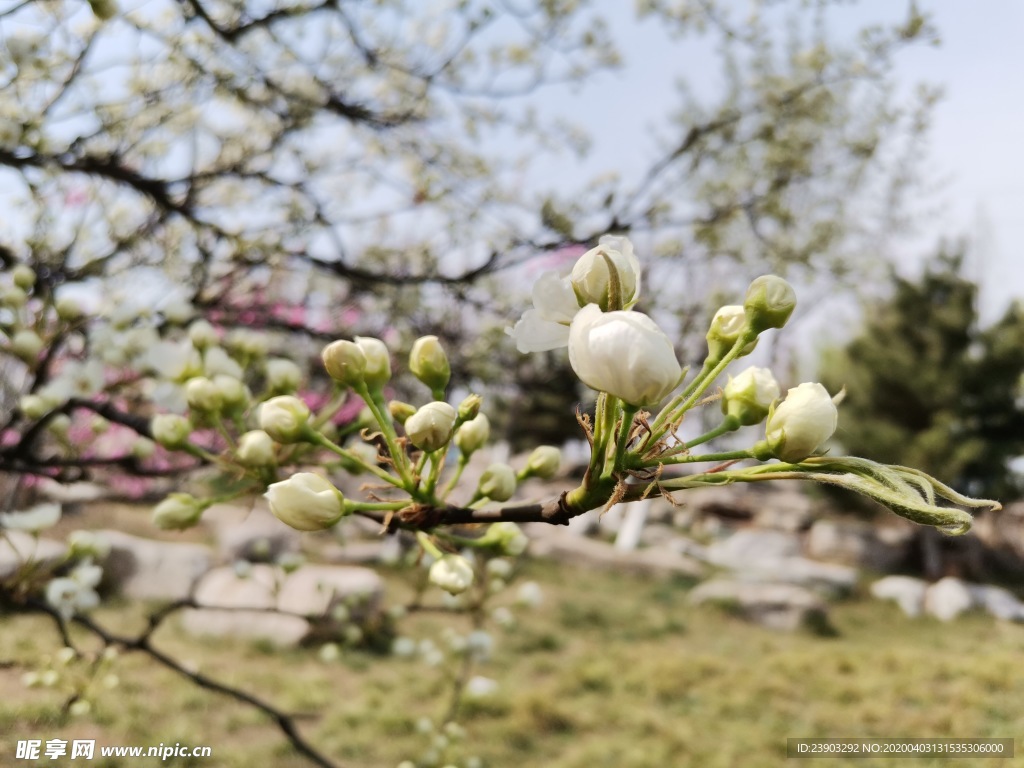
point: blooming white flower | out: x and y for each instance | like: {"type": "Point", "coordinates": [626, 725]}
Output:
{"type": "Point", "coordinates": [75, 593]}
{"type": "Point", "coordinates": [452, 573]}
{"type": "Point", "coordinates": [801, 423]}
{"type": "Point", "coordinates": [284, 418]}
{"type": "Point", "coordinates": [34, 520]}
{"type": "Point", "coordinates": [306, 502]}
{"type": "Point", "coordinates": [216, 361]}
{"type": "Point", "coordinates": [431, 426]}
{"type": "Point", "coordinates": [546, 326]}
{"type": "Point", "coordinates": [749, 395]}
{"type": "Point", "coordinates": [174, 361]}
{"type": "Point", "coordinates": [624, 354]}
{"type": "Point", "coordinates": [591, 279]}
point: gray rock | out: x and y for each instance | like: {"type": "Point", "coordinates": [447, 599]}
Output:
{"type": "Point", "coordinates": [568, 548]}
{"type": "Point", "coordinates": [825, 577]}
{"type": "Point", "coordinates": [314, 590]}
{"type": "Point", "coordinates": [749, 546]}
{"type": "Point", "coordinates": [237, 606]}
{"type": "Point", "coordinates": [634, 517]}
{"type": "Point", "coordinates": [153, 570]}
{"type": "Point", "coordinates": [777, 606]}
{"type": "Point", "coordinates": [250, 532]}
{"type": "Point", "coordinates": [860, 544]}
{"type": "Point", "coordinates": [948, 598]}
{"type": "Point", "coordinates": [906, 591]}
{"type": "Point", "coordinates": [784, 510]}
{"type": "Point", "coordinates": [19, 547]}
{"type": "Point", "coordinates": [280, 629]}
{"type": "Point", "coordinates": [999, 602]}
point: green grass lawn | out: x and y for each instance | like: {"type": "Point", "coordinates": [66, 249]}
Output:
{"type": "Point", "coordinates": [610, 670]}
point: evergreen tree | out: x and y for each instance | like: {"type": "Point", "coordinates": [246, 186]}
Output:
{"type": "Point", "coordinates": [927, 387]}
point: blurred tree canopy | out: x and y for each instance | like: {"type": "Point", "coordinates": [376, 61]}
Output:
{"type": "Point", "coordinates": [928, 388]}
{"type": "Point", "coordinates": [377, 167]}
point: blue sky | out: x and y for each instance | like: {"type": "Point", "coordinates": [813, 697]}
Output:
{"type": "Point", "coordinates": [974, 156]}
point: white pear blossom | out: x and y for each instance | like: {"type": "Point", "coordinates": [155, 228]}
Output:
{"type": "Point", "coordinates": [591, 279]}
{"type": "Point", "coordinates": [283, 375]}
{"type": "Point", "coordinates": [378, 361]}
{"type": "Point", "coordinates": [546, 326]}
{"type": "Point", "coordinates": [76, 592]}
{"type": "Point", "coordinates": [256, 449]}
{"type": "Point", "coordinates": [306, 502]}
{"type": "Point", "coordinates": [624, 354]}
{"type": "Point", "coordinates": [284, 418]}
{"type": "Point", "coordinates": [216, 361]}
{"type": "Point", "coordinates": [473, 434]}
{"type": "Point", "coordinates": [801, 423]}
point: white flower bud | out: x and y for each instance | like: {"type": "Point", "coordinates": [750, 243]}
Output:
{"type": "Point", "coordinates": [507, 538]}
{"type": "Point", "coordinates": [202, 395]}
{"type": "Point", "coordinates": [801, 423]}
{"type": "Point", "coordinates": [769, 302]}
{"type": "Point", "coordinates": [178, 512]}
{"type": "Point", "coordinates": [470, 407]}
{"type": "Point", "coordinates": [170, 430]}
{"type": "Point", "coordinates": [591, 280]}
{"type": "Point", "coordinates": [306, 502]}
{"type": "Point", "coordinates": [378, 361]}
{"type": "Point", "coordinates": [234, 394]}
{"type": "Point", "coordinates": [284, 418]}
{"type": "Point", "coordinates": [749, 396]}
{"type": "Point", "coordinates": [452, 573]}
{"type": "Point", "coordinates": [430, 428]}
{"type": "Point", "coordinates": [544, 462]}
{"type": "Point", "coordinates": [202, 334]}
{"type": "Point", "coordinates": [401, 411]}
{"type": "Point", "coordinates": [252, 344]}
{"type": "Point", "coordinates": [624, 354]}
{"type": "Point", "coordinates": [727, 326]}
{"type": "Point", "coordinates": [473, 434]}
{"type": "Point", "coordinates": [59, 425]}
{"type": "Point", "coordinates": [283, 375]}
{"type": "Point", "coordinates": [429, 363]}
{"type": "Point", "coordinates": [27, 345]}
{"type": "Point", "coordinates": [345, 362]}
{"type": "Point", "coordinates": [498, 482]}
{"type": "Point", "coordinates": [256, 449]}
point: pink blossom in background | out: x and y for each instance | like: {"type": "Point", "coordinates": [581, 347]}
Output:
{"type": "Point", "coordinates": [75, 198]}
{"type": "Point", "coordinates": [556, 260]}
{"type": "Point", "coordinates": [130, 486]}
{"type": "Point", "coordinates": [350, 315]}
{"type": "Point", "coordinates": [9, 437]}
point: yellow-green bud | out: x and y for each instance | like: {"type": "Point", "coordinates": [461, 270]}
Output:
{"type": "Point", "coordinates": [378, 361]}
{"type": "Point", "coordinates": [769, 302]}
{"type": "Point", "coordinates": [178, 512]}
{"type": "Point", "coordinates": [203, 395]}
{"type": "Point", "coordinates": [284, 418]}
{"type": "Point", "coordinates": [507, 538]}
{"type": "Point", "coordinates": [34, 406]}
{"type": "Point", "coordinates": [24, 277]}
{"type": "Point", "coordinates": [283, 376]}
{"type": "Point", "coordinates": [401, 411]}
{"type": "Point", "coordinates": [429, 363]}
{"type": "Point", "coordinates": [345, 362]}
{"type": "Point", "coordinates": [473, 434]}
{"type": "Point", "coordinates": [498, 482]}
{"type": "Point", "coordinates": [170, 430]}
{"type": "Point", "coordinates": [256, 449]}
{"type": "Point", "coordinates": [59, 424]}
{"type": "Point", "coordinates": [470, 407]}
{"type": "Point", "coordinates": [430, 428]}
{"type": "Point", "coordinates": [99, 425]}
{"type": "Point", "coordinates": [544, 462]}
{"type": "Point", "coordinates": [234, 394]}
{"type": "Point", "coordinates": [27, 345]}
{"type": "Point", "coordinates": [202, 335]}
{"type": "Point", "coordinates": [143, 448]}
{"type": "Point", "coordinates": [67, 308]}
{"type": "Point", "coordinates": [12, 296]}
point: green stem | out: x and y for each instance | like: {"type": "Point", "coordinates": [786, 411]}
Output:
{"type": "Point", "coordinates": [330, 409]}
{"type": "Point", "coordinates": [323, 441]}
{"type": "Point", "coordinates": [730, 424]}
{"type": "Point", "coordinates": [450, 485]}
{"type": "Point", "coordinates": [618, 460]}
{"type": "Point", "coordinates": [689, 459]}
{"type": "Point", "coordinates": [428, 545]}
{"type": "Point", "coordinates": [383, 419]}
